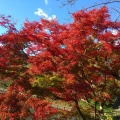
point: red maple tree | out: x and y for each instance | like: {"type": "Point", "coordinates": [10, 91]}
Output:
{"type": "Point", "coordinates": [71, 62]}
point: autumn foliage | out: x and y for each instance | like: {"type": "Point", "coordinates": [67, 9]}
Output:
{"type": "Point", "coordinates": [70, 62]}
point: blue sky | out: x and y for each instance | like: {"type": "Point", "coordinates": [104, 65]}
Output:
{"type": "Point", "coordinates": [32, 10]}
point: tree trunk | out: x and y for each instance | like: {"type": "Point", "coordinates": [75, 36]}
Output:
{"type": "Point", "coordinates": [117, 103]}
{"type": "Point", "coordinates": [95, 110]}
{"type": "Point", "coordinates": [79, 111]}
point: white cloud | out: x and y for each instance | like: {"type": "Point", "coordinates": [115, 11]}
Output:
{"type": "Point", "coordinates": [42, 14]}
{"type": "Point", "coordinates": [46, 2]}
{"type": "Point", "coordinates": [114, 32]}
{"type": "Point", "coordinates": [52, 17]}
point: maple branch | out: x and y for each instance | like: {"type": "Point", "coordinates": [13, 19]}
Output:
{"type": "Point", "coordinates": [116, 76]}
{"type": "Point", "coordinates": [95, 109]}
{"type": "Point", "coordinates": [78, 108]}
{"type": "Point", "coordinates": [30, 49]}
{"type": "Point", "coordinates": [118, 15]}
{"type": "Point", "coordinates": [103, 88]}
{"type": "Point", "coordinates": [84, 76]}
{"type": "Point", "coordinates": [71, 2]}
{"type": "Point", "coordinates": [103, 3]}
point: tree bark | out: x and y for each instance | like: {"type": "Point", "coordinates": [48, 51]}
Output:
{"type": "Point", "coordinates": [117, 101]}
{"type": "Point", "coordinates": [79, 111]}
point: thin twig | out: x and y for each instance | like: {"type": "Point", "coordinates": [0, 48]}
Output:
{"type": "Point", "coordinates": [118, 15]}
{"type": "Point", "coordinates": [103, 3]}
